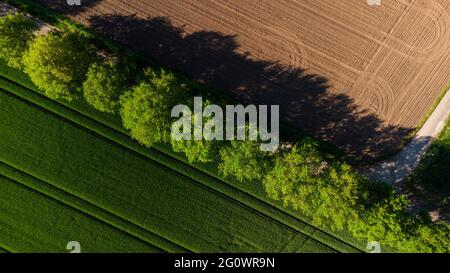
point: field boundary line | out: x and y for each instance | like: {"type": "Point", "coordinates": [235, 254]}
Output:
{"type": "Point", "coordinates": [91, 210]}
{"type": "Point", "coordinates": [224, 189]}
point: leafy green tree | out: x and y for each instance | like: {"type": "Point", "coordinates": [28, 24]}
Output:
{"type": "Point", "coordinates": [197, 150]}
{"type": "Point", "coordinates": [146, 108]}
{"type": "Point", "coordinates": [382, 222]}
{"type": "Point", "coordinates": [389, 223]}
{"type": "Point", "coordinates": [16, 31]}
{"type": "Point", "coordinates": [302, 179]}
{"type": "Point", "coordinates": [340, 194]}
{"type": "Point", "coordinates": [244, 160]}
{"type": "Point", "coordinates": [104, 85]}
{"type": "Point", "coordinates": [433, 237]}
{"type": "Point", "coordinates": [57, 63]}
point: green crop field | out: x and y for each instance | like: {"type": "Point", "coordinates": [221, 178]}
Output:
{"type": "Point", "coordinates": [83, 117]}
{"type": "Point", "coordinates": [31, 221]}
{"type": "Point", "coordinates": [164, 167]}
{"type": "Point", "coordinates": [69, 172]}
{"type": "Point", "coordinates": [110, 128]}
{"type": "Point", "coordinates": [146, 194]}
{"type": "Point", "coordinates": [87, 208]}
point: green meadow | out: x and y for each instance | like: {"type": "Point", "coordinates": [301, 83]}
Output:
{"type": "Point", "coordinates": [142, 192]}
{"type": "Point", "coordinates": [33, 222]}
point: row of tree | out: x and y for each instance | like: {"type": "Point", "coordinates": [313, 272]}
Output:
{"type": "Point", "coordinates": [66, 65]}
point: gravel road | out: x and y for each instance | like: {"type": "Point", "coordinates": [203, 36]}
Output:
{"type": "Point", "coordinates": [395, 170]}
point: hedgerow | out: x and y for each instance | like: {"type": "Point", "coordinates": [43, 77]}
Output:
{"type": "Point", "coordinates": [304, 178]}
{"type": "Point", "coordinates": [326, 192]}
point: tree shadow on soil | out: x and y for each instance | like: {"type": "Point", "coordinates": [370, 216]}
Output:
{"type": "Point", "coordinates": [213, 58]}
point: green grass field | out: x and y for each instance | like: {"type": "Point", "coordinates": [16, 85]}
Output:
{"type": "Point", "coordinates": [109, 127]}
{"type": "Point", "coordinates": [82, 115]}
{"type": "Point", "coordinates": [144, 193]}
{"type": "Point", "coordinates": [165, 164]}
{"type": "Point", "coordinates": [31, 221]}
{"type": "Point", "coordinates": [87, 208]}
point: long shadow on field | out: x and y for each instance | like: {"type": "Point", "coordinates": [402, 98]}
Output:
{"type": "Point", "coordinates": [304, 102]}
{"type": "Point", "coordinates": [213, 58]}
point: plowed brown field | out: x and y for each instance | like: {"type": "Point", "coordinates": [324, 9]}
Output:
{"type": "Point", "coordinates": [357, 75]}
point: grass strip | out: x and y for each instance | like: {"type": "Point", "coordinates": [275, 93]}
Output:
{"type": "Point", "coordinates": [432, 173]}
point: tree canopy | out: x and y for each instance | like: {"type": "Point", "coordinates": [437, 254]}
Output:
{"type": "Point", "coordinates": [105, 83]}
{"type": "Point", "coordinates": [303, 180]}
{"type": "Point", "coordinates": [57, 63]}
{"type": "Point", "coordinates": [197, 150]}
{"type": "Point", "coordinates": [16, 32]}
{"type": "Point", "coordinates": [244, 160]}
{"type": "Point", "coordinates": [146, 108]}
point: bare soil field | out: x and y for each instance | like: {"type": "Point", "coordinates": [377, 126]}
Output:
{"type": "Point", "coordinates": [359, 76]}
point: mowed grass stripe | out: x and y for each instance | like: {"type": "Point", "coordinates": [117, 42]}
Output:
{"type": "Point", "coordinates": [32, 222]}
{"type": "Point", "coordinates": [172, 160]}
{"type": "Point", "coordinates": [146, 194]}
{"type": "Point", "coordinates": [88, 208]}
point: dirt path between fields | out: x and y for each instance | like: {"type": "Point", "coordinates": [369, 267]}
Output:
{"type": "Point", "coordinates": [395, 170]}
